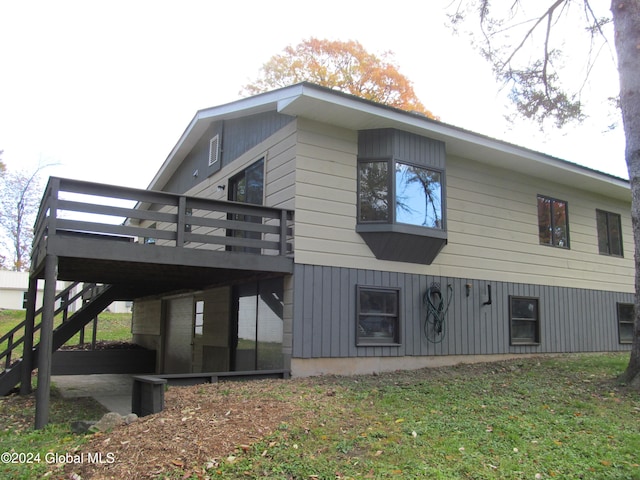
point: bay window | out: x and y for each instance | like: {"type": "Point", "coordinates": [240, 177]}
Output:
{"type": "Point", "coordinates": [401, 195]}
{"type": "Point", "coordinates": [413, 196]}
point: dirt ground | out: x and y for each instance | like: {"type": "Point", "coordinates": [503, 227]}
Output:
{"type": "Point", "coordinates": [200, 426]}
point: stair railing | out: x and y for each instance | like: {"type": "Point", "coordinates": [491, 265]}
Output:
{"type": "Point", "coordinates": [64, 300]}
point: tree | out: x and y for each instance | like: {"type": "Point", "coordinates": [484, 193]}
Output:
{"type": "Point", "coordinates": [344, 66]}
{"type": "Point", "coordinates": [20, 199]}
{"type": "Point", "coordinates": [523, 43]}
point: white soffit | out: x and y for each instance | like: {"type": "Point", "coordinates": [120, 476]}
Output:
{"type": "Point", "coordinates": [336, 109]}
{"type": "Point", "coordinates": [326, 106]}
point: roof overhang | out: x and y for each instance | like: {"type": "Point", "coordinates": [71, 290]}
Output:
{"type": "Point", "coordinates": [324, 105]}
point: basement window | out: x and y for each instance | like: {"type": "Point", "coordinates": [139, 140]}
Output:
{"type": "Point", "coordinates": [626, 319]}
{"type": "Point", "coordinates": [524, 316]}
{"type": "Point", "coordinates": [378, 318]}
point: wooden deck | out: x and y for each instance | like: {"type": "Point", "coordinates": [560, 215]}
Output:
{"type": "Point", "coordinates": [101, 234]}
{"type": "Point", "coordinates": [139, 242]}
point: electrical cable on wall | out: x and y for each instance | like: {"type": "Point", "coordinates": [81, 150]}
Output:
{"type": "Point", "coordinates": [437, 307]}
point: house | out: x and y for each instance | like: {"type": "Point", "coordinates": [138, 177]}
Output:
{"type": "Point", "coordinates": [313, 231]}
{"type": "Point", "coordinates": [14, 286]}
{"type": "Point", "coordinates": [534, 254]}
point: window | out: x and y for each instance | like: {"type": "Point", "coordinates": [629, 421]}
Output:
{"type": "Point", "coordinates": [401, 211]}
{"type": "Point", "coordinates": [553, 222]}
{"type": "Point", "coordinates": [378, 320]}
{"type": "Point", "coordinates": [248, 185]}
{"type": "Point", "coordinates": [416, 198]}
{"type": "Point", "coordinates": [373, 180]}
{"type": "Point", "coordinates": [524, 321]}
{"type": "Point", "coordinates": [626, 317]}
{"type": "Point", "coordinates": [609, 233]}
{"type": "Point", "coordinates": [198, 321]}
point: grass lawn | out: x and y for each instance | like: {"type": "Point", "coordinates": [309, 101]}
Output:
{"type": "Point", "coordinates": [529, 419]}
{"type": "Point", "coordinates": [111, 327]}
{"type": "Point", "coordinates": [17, 435]}
{"type": "Point", "coordinates": [563, 417]}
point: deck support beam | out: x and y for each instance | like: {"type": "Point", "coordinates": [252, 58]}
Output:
{"type": "Point", "coordinates": [43, 391]}
{"type": "Point", "coordinates": [27, 352]}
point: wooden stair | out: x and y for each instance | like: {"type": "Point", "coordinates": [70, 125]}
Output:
{"type": "Point", "coordinates": [95, 300]}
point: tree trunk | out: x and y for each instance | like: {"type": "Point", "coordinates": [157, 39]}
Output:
{"type": "Point", "coordinates": [626, 22]}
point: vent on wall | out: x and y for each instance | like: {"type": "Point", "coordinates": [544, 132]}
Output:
{"type": "Point", "coordinates": [214, 150]}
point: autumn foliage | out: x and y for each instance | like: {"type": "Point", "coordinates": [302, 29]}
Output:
{"type": "Point", "coordinates": [344, 66]}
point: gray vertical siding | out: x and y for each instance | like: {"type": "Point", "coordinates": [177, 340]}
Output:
{"type": "Point", "coordinates": [237, 137]}
{"type": "Point", "coordinates": [401, 145]}
{"type": "Point", "coordinates": [324, 311]}
{"type": "Point", "coordinates": [241, 134]}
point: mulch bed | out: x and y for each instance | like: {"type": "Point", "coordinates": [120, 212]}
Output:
{"type": "Point", "coordinates": [200, 426]}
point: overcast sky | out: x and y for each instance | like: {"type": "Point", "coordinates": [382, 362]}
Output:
{"type": "Point", "coordinates": [106, 88]}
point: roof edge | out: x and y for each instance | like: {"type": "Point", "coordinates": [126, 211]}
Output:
{"type": "Point", "coordinates": [291, 100]}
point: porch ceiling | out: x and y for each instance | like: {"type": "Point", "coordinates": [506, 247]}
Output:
{"type": "Point", "coordinates": [137, 279]}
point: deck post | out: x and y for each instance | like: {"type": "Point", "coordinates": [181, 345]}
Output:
{"type": "Point", "coordinates": [29, 324]}
{"type": "Point", "coordinates": [45, 352]}
{"type": "Point", "coordinates": [180, 224]}
{"type": "Point", "coordinates": [283, 232]}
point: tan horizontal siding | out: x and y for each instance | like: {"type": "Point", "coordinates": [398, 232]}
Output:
{"type": "Point", "coordinates": [492, 221]}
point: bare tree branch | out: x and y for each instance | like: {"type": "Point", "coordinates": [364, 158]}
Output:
{"type": "Point", "coordinates": [529, 33]}
{"type": "Point", "coordinates": [20, 198]}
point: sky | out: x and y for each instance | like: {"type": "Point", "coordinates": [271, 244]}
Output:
{"type": "Point", "coordinates": [105, 89]}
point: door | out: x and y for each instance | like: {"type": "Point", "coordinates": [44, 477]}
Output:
{"type": "Point", "coordinates": [211, 330]}
{"type": "Point", "coordinates": [257, 326]}
{"type": "Point", "coordinates": [245, 328]}
{"type": "Point", "coordinates": [247, 187]}
{"type": "Point", "coordinates": [178, 335]}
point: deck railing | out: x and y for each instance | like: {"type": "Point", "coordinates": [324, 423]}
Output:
{"type": "Point", "coordinates": [159, 218]}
